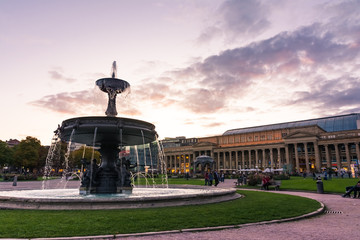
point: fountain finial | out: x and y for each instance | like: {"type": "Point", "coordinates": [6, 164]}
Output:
{"type": "Point", "coordinates": [114, 70]}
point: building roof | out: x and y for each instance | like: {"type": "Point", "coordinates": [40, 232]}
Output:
{"type": "Point", "coordinates": [329, 124]}
{"type": "Point", "coordinates": [12, 142]}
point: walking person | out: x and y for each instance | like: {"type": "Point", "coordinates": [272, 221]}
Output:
{"type": "Point", "coordinates": [211, 178]}
{"type": "Point", "coordinates": [206, 178]}
{"type": "Point", "coordinates": [216, 178]}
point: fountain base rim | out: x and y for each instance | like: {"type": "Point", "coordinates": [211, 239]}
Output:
{"type": "Point", "coordinates": [210, 196]}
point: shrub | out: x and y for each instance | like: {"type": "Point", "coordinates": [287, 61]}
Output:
{"type": "Point", "coordinates": [253, 180]}
{"type": "Point", "coordinates": [281, 177]}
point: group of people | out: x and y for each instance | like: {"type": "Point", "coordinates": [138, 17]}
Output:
{"type": "Point", "coordinates": [211, 177]}
{"type": "Point", "coordinates": [266, 182]}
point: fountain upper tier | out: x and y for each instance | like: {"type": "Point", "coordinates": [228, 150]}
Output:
{"type": "Point", "coordinates": [112, 86]}
{"type": "Point", "coordinates": [110, 130]}
{"type": "Point", "coordinates": [115, 84]}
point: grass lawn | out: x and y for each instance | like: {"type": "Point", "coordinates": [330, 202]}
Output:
{"type": "Point", "coordinates": [335, 185]}
{"type": "Point", "coordinates": [255, 207]}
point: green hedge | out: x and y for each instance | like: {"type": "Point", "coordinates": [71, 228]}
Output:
{"type": "Point", "coordinates": [27, 177]}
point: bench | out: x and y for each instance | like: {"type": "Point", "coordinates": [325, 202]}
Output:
{"type": "Point", "coordinates": [275, 184]}
{"type": "Point", "coordinates": [239, 182]}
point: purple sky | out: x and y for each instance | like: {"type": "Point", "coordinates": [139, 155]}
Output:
{"type": "Point", "coordinates": [196, 68]}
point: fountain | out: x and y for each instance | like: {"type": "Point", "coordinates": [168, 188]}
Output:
{"type": "Point", "coordinates": [110, 134]}
{"type": "Point", "coordinates": [109, 185]}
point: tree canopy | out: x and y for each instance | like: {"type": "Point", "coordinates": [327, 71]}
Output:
{"type": "Point", "coordinates": [29, 153]}
{"type": "Point", "coordinates": [6, 154]}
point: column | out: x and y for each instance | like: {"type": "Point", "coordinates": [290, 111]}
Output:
{"type": "Point", "coordinates": [327, 155]}
{"type": "Point", "coordinates": [357, 151]}
{"type": "Point", "coordinates": [256, 158]}
{"type": "Point", "coordinates": [271, 158]}
{"type": "Point", "coordinates": [297, 158]}
{"type": "Point", "coordinates": [224, 160]}
{"type": "Point", "coordinates": [218, 161]}
{"type": "Point", "coordinates": [193, 162]}
{"type": "Point", "coordinates": [348, 160]}
{"type": "Point", "coordinates": [250, 160]}
{"type": "Point", "coordinates": [287, 156]}
{"type": "Point", "coordinates": [175, 161]}
{"type": "Point", "coordinates": [337, 154]}
{"type": "Point", "coordinates": [237, 160]}
{"type": "Point", "coordinates": [317, 157]}
{"type": "Point", "coordinates": [307, 157]}
{"type": "Point", "coordinates": [264, 161]}
{"type": "Point", "coordinates": [279, 158]}
{"type": "Point", "coordinates": [243, 158]}
{"type": "Point", "coordinates": [184, 163]}
{"type": "Point", "coordinates": [171, 163]}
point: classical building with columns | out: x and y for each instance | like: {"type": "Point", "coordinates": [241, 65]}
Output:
{"type": "Point", "coordinates": [300, 146]}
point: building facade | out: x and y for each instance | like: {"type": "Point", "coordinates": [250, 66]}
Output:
{"type": "Point", "coordinates": [301, 146]}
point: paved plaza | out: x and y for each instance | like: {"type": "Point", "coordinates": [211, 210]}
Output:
{"type": "Point", "coordinates": [341, 220]}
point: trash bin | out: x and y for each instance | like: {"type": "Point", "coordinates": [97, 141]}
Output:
{"type": "Point", "coordinates": [15, 181]}
{"type": "Point", "coordinates": [319, 185]}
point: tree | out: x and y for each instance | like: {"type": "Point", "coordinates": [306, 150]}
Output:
{"type": "Point", "coordinates": [6, 154]}
{"type": "Point", "coordinates": [27, 153]}
{"type": "Point", "coordinates": [77, 155]}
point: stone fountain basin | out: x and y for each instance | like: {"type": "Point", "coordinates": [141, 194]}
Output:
{"type": "Point", "coordinates": [113, 130]}
{"type": "Point", "coordinates": [69, 199]}
{"type": "Point", "coordinates": [116, 84]}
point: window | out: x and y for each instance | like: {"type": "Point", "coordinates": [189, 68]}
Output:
{"type": "Point", "coordinates": [269, 137]}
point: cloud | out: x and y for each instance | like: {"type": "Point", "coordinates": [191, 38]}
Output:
{"type": "Point", "coordinates": [235, 19]}
{"type": "Point", "coordinates": [313, 62]}
{"type": "Point", "coordinates": [66, 102]}
{"type": "Point", "coordinates": [334, 96]}
{"type": "Point", "coordinates": [56, 75]}
{"type": "Point", "coordinates": [313, 67]}
{"type": "Point", "coordinates": [201, 101]}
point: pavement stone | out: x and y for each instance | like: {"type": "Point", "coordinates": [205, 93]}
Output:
{"type": "Point", "coordinates": [341, 220]}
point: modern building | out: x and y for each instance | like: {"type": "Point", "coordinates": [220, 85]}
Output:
{"type": "Point", "coordinates": [300, 146]}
